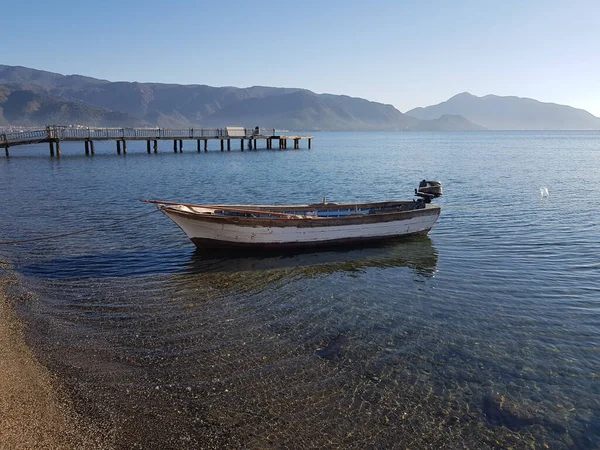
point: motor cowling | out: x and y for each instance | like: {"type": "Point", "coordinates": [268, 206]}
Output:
{"type": "Point", "coordinates": [428, 190]}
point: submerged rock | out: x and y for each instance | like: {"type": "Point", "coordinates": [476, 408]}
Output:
{"type": "Point", "coordinates": [334, 348]}
{"type": "Point", "coordinates": [500, 411]}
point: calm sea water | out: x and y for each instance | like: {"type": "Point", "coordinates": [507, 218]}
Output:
{"type": "Point", "coordinates": [484, 334]}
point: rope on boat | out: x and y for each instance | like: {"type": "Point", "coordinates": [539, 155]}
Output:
{"type": "Point", "coordinates": [85, 230]}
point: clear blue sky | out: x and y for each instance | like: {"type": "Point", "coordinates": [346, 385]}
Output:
{"type": "Point", "coordinates": [407, 53]}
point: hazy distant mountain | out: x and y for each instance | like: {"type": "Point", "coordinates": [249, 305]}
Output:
{"type": "Point", "coordinates": [172, 105]}
{"type": "Point", "coordinates": [510, 113]}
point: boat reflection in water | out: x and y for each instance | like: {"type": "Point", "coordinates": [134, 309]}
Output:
{"type": "Point", "coordinates": [416, 253]}
{"type": "Point", "coordinates": [247, 271]}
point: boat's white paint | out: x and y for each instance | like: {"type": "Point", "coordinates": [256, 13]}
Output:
{"type": "Point", "coordinates": [239, 234]}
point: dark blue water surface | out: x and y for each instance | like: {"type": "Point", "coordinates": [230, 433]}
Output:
{"type": "Point", "coordinates": [484, 334]}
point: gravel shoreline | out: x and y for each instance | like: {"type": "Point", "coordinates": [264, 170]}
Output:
{"type": "Point", "coordinates": [34, 413]}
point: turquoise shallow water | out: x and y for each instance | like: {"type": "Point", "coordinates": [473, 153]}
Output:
{"type": "Point", "coordinates": [484, 334]}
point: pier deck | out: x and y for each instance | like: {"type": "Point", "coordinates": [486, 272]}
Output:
{"type": "Point", "coordinates": [54, 135]}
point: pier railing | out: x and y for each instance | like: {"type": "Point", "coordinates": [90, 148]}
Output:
{"type": "Point", "coordinates": [23, 135]}
{"type": "Point", "coordinates": [66, 133]}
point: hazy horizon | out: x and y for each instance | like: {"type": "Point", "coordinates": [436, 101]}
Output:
{"type": "Point", "coordinates": [406, 54]}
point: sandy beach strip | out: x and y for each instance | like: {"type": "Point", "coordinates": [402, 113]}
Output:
{"type": "Point", "coordinates": [34, 413]}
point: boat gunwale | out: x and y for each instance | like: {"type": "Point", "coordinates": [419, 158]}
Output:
{"type": "Point", "coordinates": [318, 206]}
{"type": "Point", "coordinates": [306, 221]}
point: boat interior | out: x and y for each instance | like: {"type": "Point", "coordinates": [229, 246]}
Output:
{"type": "Point", "coordinates": [318, 210]}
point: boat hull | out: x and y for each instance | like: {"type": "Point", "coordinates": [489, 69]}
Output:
{"type": "Point", "coordinates": [207, 231]}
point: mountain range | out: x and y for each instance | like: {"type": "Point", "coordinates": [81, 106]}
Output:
{"type": "Point", "coordinates": [31, 97]}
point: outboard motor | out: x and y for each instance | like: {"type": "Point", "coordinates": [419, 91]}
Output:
{"type": "Point", "coordinates": [428, 190]}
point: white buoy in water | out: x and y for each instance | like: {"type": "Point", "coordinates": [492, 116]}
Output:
{"type": "Point", "coordinates": [544, 192]}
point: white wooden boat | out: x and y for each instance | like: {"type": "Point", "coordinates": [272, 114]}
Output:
{"type": "Point", "coordinates": [292, 226]}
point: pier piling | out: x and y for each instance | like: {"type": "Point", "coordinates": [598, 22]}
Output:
{"type": "Point", "coordinates": [92, 151]}
{"type": "Point", "coordinates": [124, 147]}
{"type": "Point", "coordinates": [87, 148]}
{"type": "Point", "coordinates": [155, 146]}
{"type": "Point", "coordinates": [50, 144]}
{"type": "Point", "coordinates": [118, 147]}
{"type": "Point", "coordinates": [58, 148]}
{"type": "Point", "coordinates": [148, 146]}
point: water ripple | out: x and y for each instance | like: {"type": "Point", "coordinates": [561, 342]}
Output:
{"type": "Point", "coordinates": [483, 335]}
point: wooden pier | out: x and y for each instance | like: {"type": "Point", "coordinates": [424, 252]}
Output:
{"type": "Point", "coordinates": [54, 135]}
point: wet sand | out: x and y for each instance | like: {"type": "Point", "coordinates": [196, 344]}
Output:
{"type": "Point", "coordinates": [34, 413]}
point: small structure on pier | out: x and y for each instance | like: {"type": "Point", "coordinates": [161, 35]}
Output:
{"type": "Point", "coordinates": [235, 131]}
{"type": "Point", "coordinates": [54, 135]}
